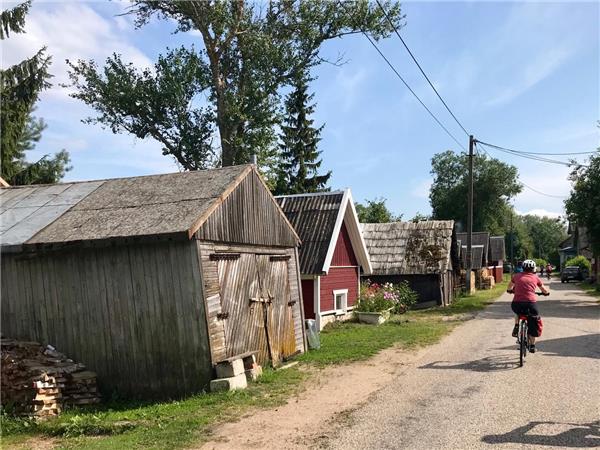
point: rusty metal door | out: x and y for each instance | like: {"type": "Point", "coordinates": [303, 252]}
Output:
{"type": "Point", "coordinates": [257, 311]}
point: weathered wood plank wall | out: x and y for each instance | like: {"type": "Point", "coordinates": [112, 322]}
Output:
{"type": "Point", "coordinates": [249, 215]}
{"type": "Point", "coordinates": [132, 313]}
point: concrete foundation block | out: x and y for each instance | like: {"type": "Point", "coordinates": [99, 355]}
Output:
{"type": "Point", "coordinates": [249, 362]}
{"type": "Point", "coordinates": [229, 384]}
{"type": "Point", "coordinates": [254, 373]}
{"type": "Point", "coordinates": [228, 369]}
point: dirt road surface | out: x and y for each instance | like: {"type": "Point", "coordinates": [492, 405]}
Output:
{"type": "Point", "coordinates": [467, 392]}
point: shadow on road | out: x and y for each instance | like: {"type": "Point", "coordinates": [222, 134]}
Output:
{"type": "Point", "coordinates": [574, 436]}
{"type": "Point", "coordinates": [583, 308]}
{"type": "Point", "coordinates": [488, 364]}
{"type": "Point", "coordinates": [582, 346]}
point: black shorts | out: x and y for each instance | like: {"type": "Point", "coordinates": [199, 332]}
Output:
{"type": "Point", "coordinates": [525, 308]}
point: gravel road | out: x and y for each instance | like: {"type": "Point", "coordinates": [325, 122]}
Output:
{"type": "Point", "coordinates": [468, 392]}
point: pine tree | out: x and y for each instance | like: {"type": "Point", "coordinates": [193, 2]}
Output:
{"type": "Point", "coordinates": [298, 168]}
{"type": "Point", "coordinates": [20, 87]}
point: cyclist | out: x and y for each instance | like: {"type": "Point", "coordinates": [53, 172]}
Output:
{"type": "Point", "coordinates": [524, 285]}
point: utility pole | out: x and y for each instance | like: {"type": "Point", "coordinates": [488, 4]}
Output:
{"type": "Point", "coordinates": [470, 218]}
{"type": "Point", "coordinates": [512, 242]}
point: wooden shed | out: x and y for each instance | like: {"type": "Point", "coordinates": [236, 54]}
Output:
{"type": "Point", "coordinates": [332, 255]}
{"type": "Point", "coordinates": [481, 241]}
{"type": "Point", "coordinates": [422, 253]}
{"type": "Point", "coordinates": [150, 281]}
{"type": "Point", "coordinates": [497, 257]}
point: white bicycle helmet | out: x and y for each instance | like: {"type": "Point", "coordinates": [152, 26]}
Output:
{"type": "Point", "coordinates": [529, 265]}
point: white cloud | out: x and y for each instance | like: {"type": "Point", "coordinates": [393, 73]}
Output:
{"type": "Point", "coordinates": [542, 66]}
{"type": "Point", "coordinates": [71, 31]}
{"type": "Point", "coordinates": [542, 213]}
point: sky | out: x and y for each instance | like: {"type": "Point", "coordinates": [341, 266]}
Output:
{"type": "Point", "coordinates": [522, 75]}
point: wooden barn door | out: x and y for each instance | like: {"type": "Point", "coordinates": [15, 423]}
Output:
{"type": "Point", "coordinates": [274, 280]}
{"type": "Point", "coordinates": [243, 320]}
{"type": "Point", "coordinates": [255, 304]}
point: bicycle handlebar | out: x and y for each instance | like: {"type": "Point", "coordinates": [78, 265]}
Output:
{"type": "Point", "coordinates": [511, 291]}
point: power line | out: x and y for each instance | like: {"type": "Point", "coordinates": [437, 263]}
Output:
{"type": "Point", "coordinates": [537, 153]}
{"type": "Point", "coordinates": [542, 193]}
{"type": "Point", "coordinates": [531, 156]}
{"type": "Point", "coordinates": [419, 66]}
{"type": "Point", "coordinates": [413, 92]}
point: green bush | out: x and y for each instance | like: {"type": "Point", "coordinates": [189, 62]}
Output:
{"type": "Point", "coordinates": [580, 261]}
{"type": "Point", "coordinates": [539, 262]}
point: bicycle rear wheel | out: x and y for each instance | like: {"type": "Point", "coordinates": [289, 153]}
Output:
{"type": "Point", "coordinates": [522, 342]}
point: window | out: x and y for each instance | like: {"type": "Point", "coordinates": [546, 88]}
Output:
{"type": "Point", "coordinates": [341, 301]}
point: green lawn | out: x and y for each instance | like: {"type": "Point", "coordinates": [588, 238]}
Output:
{"type": "Point", "coordinates": [177, 424]}
{"type": "Point", "coordinates": [591, 289]}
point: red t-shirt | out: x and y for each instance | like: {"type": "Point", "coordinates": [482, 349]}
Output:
{"type": "Point", "coordinates": [525, 286]}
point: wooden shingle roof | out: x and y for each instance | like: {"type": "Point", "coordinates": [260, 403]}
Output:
{"type": "Point", "coordinates": [497, 248]}
{"type": "Point", "coordinates": [317, 218]}
{"type": "Point", "coordinates": [479, 238]}
{"type": "Point", "coordinates": [407, 248]}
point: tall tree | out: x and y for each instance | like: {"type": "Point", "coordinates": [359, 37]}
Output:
{"type": "Point", "coordinates": [494, 184]}
{"type": "Point", "coordinates": [546, 233]}
{"type": "Point", "coordinates": [299, 157]}
{"type": "Point", "coordinates": [231, 86]}
{"type": "Point", "coordinates": [20, 86]}
{"type": "Point", "coordinates": [376, 211]}
{"type": "Point", "coordinates": [583, 204]}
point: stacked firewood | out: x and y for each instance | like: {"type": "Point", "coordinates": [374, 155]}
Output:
{"type": "Point", "coordinates": [486, 279]}
{"type": "Point", "coordinates": [40, 381]}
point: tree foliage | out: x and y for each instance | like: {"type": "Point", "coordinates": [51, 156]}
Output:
{"type": "Point", "coordinates": [20, 86]}
{"type": "Point", "coordinates": [546, 233]}
{"type": "Point", "coordinates": [494, 183]}
{"type": "Point", "coordinates": [583, 204]}
{"type": "Point", "coordinates": [299, 156]}
{"type": "Point", "coordinates": [231, 85]}
{"type": "Point", "coordinates": [375, 211]}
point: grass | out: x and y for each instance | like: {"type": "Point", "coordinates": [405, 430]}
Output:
{"type": "Point", "coordinates": [591, 289]}
{"type": "Point", "coordinates": [178, 424]}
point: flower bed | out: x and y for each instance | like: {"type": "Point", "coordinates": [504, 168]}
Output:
{"type": "Point", "coordinates": [383, 299]}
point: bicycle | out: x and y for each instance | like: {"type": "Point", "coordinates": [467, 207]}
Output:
{"type": "Point", "coordinates": [523, 333]}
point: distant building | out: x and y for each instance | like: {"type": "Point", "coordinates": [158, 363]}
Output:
{"type": "Point", "coordinates": [332, 254]}
{"type": "Point", "coordinates": [422, 253]}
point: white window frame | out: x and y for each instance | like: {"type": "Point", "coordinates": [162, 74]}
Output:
{"type": "Point", "coordinates": [343, 292]}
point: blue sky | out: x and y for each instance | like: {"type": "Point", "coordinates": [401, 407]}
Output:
{"type": "Point", "coordinates": [519, 74]}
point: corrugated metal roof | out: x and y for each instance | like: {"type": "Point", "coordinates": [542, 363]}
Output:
{"type": "Point", "coordinates": [26, 210]}
{"type": "Point", "coordinates": [497, 248]}
{"type": "Point", "coordinates": [313, 216]}
{"type": "Point", "coordinates": [407, 248]}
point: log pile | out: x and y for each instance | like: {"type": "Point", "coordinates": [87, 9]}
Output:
{"type": "Point", "coordinates": [40, 381]}
{"type": "Point", "coordinates": [486, 279]}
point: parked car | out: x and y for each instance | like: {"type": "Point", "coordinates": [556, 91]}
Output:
{"type": "Point", "coordinates": [571, 273]}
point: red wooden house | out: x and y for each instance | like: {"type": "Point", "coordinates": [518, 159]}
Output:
{"type": "Point", "coordinates": [332, 253]}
